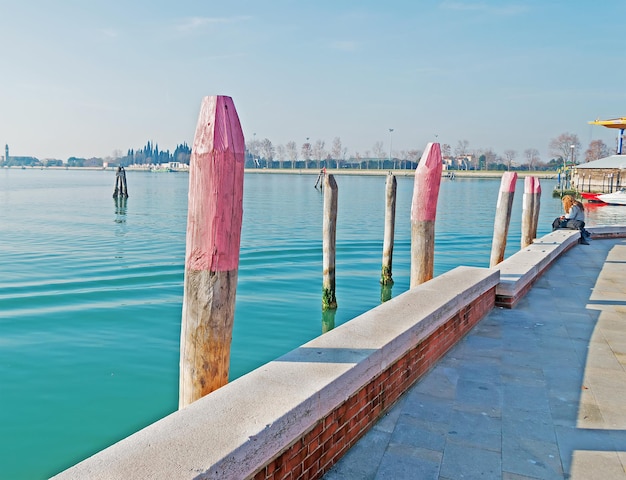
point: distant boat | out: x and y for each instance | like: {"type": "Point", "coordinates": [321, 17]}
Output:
{"type": "Point", "coordinates": [591, 197]}
{"type": "Point", "coordinates": [615, 198]}
{"type": "Point", "coordinates": [160, 168]}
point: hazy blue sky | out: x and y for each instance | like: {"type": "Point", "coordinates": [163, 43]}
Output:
{"type": "Point", "coordinates": [86, 78]}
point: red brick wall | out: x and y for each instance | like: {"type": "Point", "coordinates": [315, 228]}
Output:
{"type": "Point", "coordinates": [312, 455]}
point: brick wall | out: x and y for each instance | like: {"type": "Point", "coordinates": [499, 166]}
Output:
{"type": "Point", "coordinates": [312, 455]}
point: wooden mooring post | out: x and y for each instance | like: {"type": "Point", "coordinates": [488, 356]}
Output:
{"type": "Point", "coordinates": [121, 189]}
{"type": "Point", "coordinates": [329, 240]}
{"type": "Point", "coordinates": [390, 222]}
{"type": "Point", "coordinates": [503, 217]}
{"type": "Point", "coordinates": [423, 213]}
{"type": "Point", "coordinates": [530, 210]}
{"type": "Point", "coordinates": [214, 219]}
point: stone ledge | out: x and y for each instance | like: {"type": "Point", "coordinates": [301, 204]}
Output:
{"type": "Point", "coordinates": [521, 270]}
{"type": "Point", "coordinates": [608, 231]}
{"type": "Point", "coordinates": [239, 429]}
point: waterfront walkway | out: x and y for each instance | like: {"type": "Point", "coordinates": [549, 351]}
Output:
{"type": "Point", "coordinates": [537, 392]}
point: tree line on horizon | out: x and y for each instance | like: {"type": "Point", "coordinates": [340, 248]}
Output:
{"type": "Point", "coordinates": [564, 149]}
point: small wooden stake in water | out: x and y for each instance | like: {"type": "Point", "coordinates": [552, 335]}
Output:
{"type": "Point", "coordinates": [390, 221]}
{"type": "Point", "coordinates": [530, 210]}
{"type": "Point", "coordinates": [423, 213]}
{"type": "Point", "coordinates": [212, 256]}
{"type": "Point", "coordinates": [329, 301]}
{"type": "Point", "coordinates": [503, 217]}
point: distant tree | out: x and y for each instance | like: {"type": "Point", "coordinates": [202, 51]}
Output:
{"type": "Point", "coordinates": [532, 157]}
{"type": "Point", "coordinates": [414, 157]}
{"type": "Point", "coordinates": [335, 152]}
{"type": "Point", "coordinates": [597, 149]}
{"type": "Point", "coordinates": [306, 153]}
{"type": "Point", "coordinates": [292, 153]}
{"type": "Point", "coordinates": [445, 150]}
{"type": "Point", "coordinates": [254, 148]}
{"type": "Point", "coordinates": [366, 158]}
{"type": "Point", "coordinates": [561, 146]}
{"type": "Point", "coordinates": [267, 151]}
{"type": "Point", "coordinates": [75, 162]}
{"type": "Point", "coordinates": [461, 149]}
{"type": "Point", "coordinates": [182, 153]}
{"type": "Point", "coordinates": [510, 156]}
{"type": "Point", "coordinates": [357, 158]}
{"type": "Point", "coordinates": [379, 153]}
{"type": "Point", "coordinates": [344, 154]}
{"type": "Point", "coordinates": [489, 159]}
{"type": "Point", "coordinates": [318, 152]}
{"type": "Point", "coordinates": [280, 155]}
{"type": "Point", "coordinates": [53, 162]}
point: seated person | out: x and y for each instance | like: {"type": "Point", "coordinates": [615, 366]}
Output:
{"type": "Point", "coordinates": [574, 218]}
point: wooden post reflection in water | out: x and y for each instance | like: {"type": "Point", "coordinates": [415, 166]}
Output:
{"type": "Point", "coordinates": [214, 219]}
{"type": "Point", "coordinates": [390, 221]}
{"type": "Point", "coordinates": [503, 217]}
{"type": "Point", "coordinates": [423, 213]}
{"type": "Point", "coordinates": [329, 240]}
{"type": "Point", "coordinates": [328, 320]}
{"type": "Point", "coordinates": [385, 293]}
{"type": "Point", "coordinates": [120, 208]}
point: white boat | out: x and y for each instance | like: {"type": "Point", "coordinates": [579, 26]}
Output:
{"type": "Point", "coordinates": [615, 198]}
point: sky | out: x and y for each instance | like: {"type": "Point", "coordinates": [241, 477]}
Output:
{"type": "Point", "coordinates": [93, 79]}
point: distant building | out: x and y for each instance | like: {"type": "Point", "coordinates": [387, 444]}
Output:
{"type": "Point", "coordinates": [604, 175]}
{"type": "Point", "coordinates": [6, 152]}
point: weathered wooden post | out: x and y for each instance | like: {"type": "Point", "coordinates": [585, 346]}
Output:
{"type": "Point", "coordinates": [214, 219]}
{"type": "Point", "coordinates": [121, 189]}
{"type": "Point", "coordinates": [423, 213]}
{"type": "Point", "coordinates": [536, 193]}
{"type": "Point", "coordinates": [530, 210]}
{"type": "Point", "coordinates": [329, 224]}
{"type": "Point", "coordinates": [528, 206]}
{"type": "Point", "coordinates": [503, 217]}
{"type": "Point", "coordinates": [390, 222]}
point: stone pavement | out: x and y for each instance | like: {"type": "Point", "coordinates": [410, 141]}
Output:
{"type": "Point", "coordinates": [537, 392]}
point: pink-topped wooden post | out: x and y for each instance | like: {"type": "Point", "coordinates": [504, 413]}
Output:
{"type": "Point", "coordinates": [536, 193]}
{"type": "Point", "coordinates": [530, 210]}
{"type": "Point", "coordinates": [423, 213]}
{"type": "Point", "coordinates": [214, 219]}
{"type": "Point", "coordinates": [503, 217]}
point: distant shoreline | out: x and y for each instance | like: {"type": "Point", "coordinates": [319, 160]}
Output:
{"type": "Point", "coordinates": [330, 171]}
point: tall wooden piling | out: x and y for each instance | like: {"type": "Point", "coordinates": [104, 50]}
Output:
{"type": "Point", "coordinates": [536, 204]}
{"type": "Point", "coordinates": [214, 219]}
{"type": "Point", "coordinates": [503, 217]}
{"type": "Point", "coordinates": [423, 213]}
{"type": "Point", "coordinates": [329, 240]}
{"type": "Point", "coordinates": [390, 222]}
{"type": "Point", "coordinates": [530, 210]}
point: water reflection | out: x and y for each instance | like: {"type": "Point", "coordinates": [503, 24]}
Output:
{"type": "Point", "coordinates": [328, 320]}
{"type": "Point", "coordinates": [385, 293]}
{"type": "Point", "coordinates": [120, 209]}
{"type": "Point", "coordinates": [603, 214]}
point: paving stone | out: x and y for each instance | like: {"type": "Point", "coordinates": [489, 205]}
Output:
{"type": "Point", "coordinates": [536, 392]}
{"type": "Point", "coordinates": [465, 462]}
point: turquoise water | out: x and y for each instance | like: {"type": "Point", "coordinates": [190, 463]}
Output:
{"type": "Point", "coordinates": [91, 291]}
